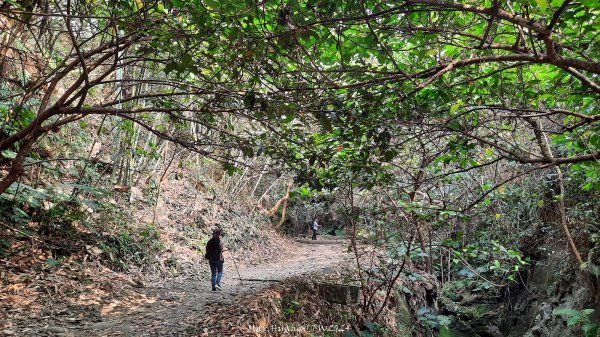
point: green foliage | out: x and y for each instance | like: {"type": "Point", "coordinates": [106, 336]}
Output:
{"type": "Point", "coordinates": [445, 332]}
{"type": "Point", "coordinates": [486, 258]}
{"type": "Point", "coordinates": [63, 213]}
{"type": "Point", "coordinates": [577, 317]}
{"type": "Point", "coordinates": [52, 262]}
{"type": "Point", "coordinates": [28, 211]}
{"type": "Point", "coordinates": [340, 232]}
{"type": "Point", "coordinates": [128, 248]}
{"type": "Point", "coordinates": [289, 307]}
{"type": "Point", "coordinates": [431, 319]}
{"type": "Point", "coordinates": [5, 244]}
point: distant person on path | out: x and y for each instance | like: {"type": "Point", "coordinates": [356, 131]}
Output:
{"type": "Point", "coordinates": [314, 227]}
{"type": "Point", "coordinates": [214, 254]}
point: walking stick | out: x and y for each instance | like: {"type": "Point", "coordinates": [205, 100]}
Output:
{"type": "Point", "coordinates": [236, 268]}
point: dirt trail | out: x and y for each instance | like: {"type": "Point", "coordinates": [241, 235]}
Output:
{"type": "Point", "coordinates": [173, 307]}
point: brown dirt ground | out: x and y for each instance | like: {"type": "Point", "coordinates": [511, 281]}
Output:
{"type": "Point", "coordinates": [99, 302]}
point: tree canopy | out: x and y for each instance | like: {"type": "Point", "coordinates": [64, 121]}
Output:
{"type": "Point", "coordinates": [325, 86]}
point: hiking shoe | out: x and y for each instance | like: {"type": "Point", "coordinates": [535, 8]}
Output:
{"type": "Point", "coordinates": [218, 287]}
{"type": "Point", "coordinates": [214, 289]}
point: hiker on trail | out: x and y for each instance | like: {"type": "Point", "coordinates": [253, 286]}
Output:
{"type": "Point", "coordinates": [314, 227]}
{"type": "Point", "coordinates": [214, 254]}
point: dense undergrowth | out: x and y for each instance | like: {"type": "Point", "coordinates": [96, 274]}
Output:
{"type": "Point", "coordinates": [501, 270]}
{"type": "Point", "coordinates": [123, 217]}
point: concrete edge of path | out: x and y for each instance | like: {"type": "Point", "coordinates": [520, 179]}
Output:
{"type": "Point", "coordinates": [321, 242]}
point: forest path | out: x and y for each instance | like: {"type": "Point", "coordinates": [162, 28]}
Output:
{"type": "Point", "coordinates": [174, 307]}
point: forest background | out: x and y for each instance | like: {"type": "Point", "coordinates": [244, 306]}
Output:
{"type": "Point", "coordinates": [458, 140]}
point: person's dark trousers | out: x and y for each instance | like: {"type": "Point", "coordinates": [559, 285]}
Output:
{"type": "Point", "coordinates": [216, 272]}
{"type": "Point", "coordinates": [314, 237]}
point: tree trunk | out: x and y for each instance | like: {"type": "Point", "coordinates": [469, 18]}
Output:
{"type": "Point", "coordinates": [547, 154]}
{"type": "Point", "coordinates": [283, 200]}
{"type": "Point", "coordinates": [16, 168]}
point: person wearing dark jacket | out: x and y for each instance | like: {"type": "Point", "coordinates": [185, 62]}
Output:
{"type": "Point", "coordinates": [214, 254]}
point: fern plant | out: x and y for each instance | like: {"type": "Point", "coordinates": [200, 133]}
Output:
{"type": "Point", "coordinates": [575, 317]}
